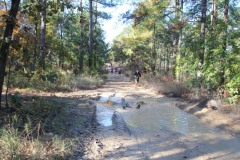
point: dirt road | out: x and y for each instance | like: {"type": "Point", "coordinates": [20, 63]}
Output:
{"type": "Point", "coordinates": [158, 130]}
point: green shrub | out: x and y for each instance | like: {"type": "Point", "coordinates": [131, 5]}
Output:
{"type": "Point", "coordinates": [86, 82]}
{"type": "Point", "coordinates": [57, 81]}
{"type": "Point", "coordinates": [19, 80]}
{"type": "Point", "coordinates": [233, 87]}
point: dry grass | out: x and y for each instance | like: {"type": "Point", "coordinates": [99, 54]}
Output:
{"type": "Point", "coordinates": [59, 82]}
{"type": "Point", "coordinates": [167, 85]}
{"type": "Point", "coordinates": [41, 129]}
{"type": "Point", "coordinates": [14, 145]}
{"type": "Point", "coordinates": [84, 82]}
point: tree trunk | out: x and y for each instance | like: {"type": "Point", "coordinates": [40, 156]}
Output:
{"type": "Point", "coordinates": [203, 31]}
{"type": "Point", "coordinates": [224, 46]}
{"type": "Point", "coordinates": [42, 34]}
{"type": "Point", "coordinates": [35, 47]}
{"type": "Point", "coordinates": [214, 12]}
{"type": "Point", "coordinates": [10, 23]}
{"type": "Point", "coordinates": [176, 35]}
{"type": "Point", "coordinates": [179, 5]}
{"type": "Point", "coordinates": [81, 38]}
{"type": "Point", "coordinates": [160, 56]}
{"type": "Point", "coordinates": [153, 62]}
{"type": "Point", "coordinates": [209, 57]}
{"type": "Point", "coordinates": [202, 46]}
{"type": "Point", "coordinates": [90, 36]}
{"type": "Point", "coordinates": [95, 60]}
{"type": "Point", "coordinates": [167, 61]}
{"type": "Point", "coordinates": [61, 58]}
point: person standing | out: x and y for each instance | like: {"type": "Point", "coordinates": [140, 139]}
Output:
{"type": "Point", "coordinates": [137, 75]}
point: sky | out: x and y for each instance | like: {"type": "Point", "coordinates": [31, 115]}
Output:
{"type": "Point", "coordinates": [114, 26]}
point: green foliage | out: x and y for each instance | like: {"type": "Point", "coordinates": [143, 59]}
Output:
{"type": "Point", "coordinates": [85, 82]}
{"type": "Point", "coordinates": [19, 80]}
{"type": "Point", "coordinates": [14, 99]}
{"type": "Point", "coordinates": [56, 80]}
{"type": "Point", "coordinates": [62, 37]}
{"type": "Point", "coordinates": [234, 88]}
{"type": "Point", "coordinates": [220, 68]}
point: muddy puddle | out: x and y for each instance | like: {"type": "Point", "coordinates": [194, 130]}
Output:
{"type": "Point", "coordinates": [159, 128]}
{"type": "Point", "coordinates": [154, 115]}
{"type": "Point", "coordinates": [105, 112]}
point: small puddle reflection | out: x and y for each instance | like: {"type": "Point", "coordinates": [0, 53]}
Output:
{"type": "Point", "coordinates": [104, 112]}
{"type": "Point", "coordinates": [104, 116]}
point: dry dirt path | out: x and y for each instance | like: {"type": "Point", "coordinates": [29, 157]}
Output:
{"type": "Point", "coordinates": [159, 130]}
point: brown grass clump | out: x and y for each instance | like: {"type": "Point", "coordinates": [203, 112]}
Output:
{"type": "Point", "coordinates": [167, 85]}
{"type": "Point", "coordinates": [57, 82]}
{"type": "Point", "coordinates": [42, 128]}
{"type": "Point", "coordinates": [109, 103]}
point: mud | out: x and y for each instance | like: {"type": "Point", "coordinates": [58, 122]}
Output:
{"type": "Point", "coordinates": [158, 130]}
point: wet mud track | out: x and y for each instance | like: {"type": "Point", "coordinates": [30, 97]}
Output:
{"type": "Point", "coordinates": [158, 130]}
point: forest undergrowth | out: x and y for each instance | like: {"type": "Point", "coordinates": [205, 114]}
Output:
{"type": "Point", "coordinates": [167, 85]}
{"type": "Point", "coordinates": [46, 127]}
{"type": "Point", "coordinates": [56, 80]}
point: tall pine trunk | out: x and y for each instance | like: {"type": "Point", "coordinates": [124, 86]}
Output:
{"type": "Point", "coordinates": [177, 45]}
{"type": "Point", "coordinates": [35, 47]}
{"type": "Point", "coordinates": [95, 43]}
{"type": "Point", "coordinates": [224, 46]}
{"type": "Point", "coordinates": [42, 33]}
{"type": "Point", "coordinates": [212, 41]}
{"type": "Point", "coordinates": [202, 45]}
{"type": "Point", "coordinates": [214, 12]}
{"type": "Point", "coordinates": [90, 36]}
{"type": "Point", "coordinates": [81, 38]}
{"type": "Point", "coordinates": [154, 54]}
{"type": "Point", "coordinates": [176, 35]}
{"type": "Point", "coordinates": [10, 23]}
{"type": "Point", "coordinates": [203, 31]}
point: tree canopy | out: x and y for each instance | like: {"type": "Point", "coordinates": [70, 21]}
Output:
{"type": "Point", "coordinates": [48, 35]}
{"type": "Point", "coordinates": [194, 41]}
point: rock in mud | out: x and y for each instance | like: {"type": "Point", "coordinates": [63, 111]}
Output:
{"type": "Point", "coordinates": [213, 104]}
{"type": "Point", "coordinates": [140, 102]}
{"type": "Point", "coordinates": [109, 103]}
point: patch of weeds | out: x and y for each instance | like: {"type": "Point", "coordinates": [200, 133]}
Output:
{"type": "Point", "coordinates": [39, 130]}
{"type": "Point", "coordinates": [56, 81]}
{"type": "Point", "coordinates": [167, 85]}
{"type": "Point", "coordinates": [83, 82]}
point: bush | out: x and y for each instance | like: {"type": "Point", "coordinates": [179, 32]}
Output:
{"type": "Point", "coordinates": [19, 80]}
{"type": "Point", "coordinates": [233, 87]}
{"type": "Point", "coordinates": [86, 82]}
{"type": "Point", "coordinates": [56, 81]}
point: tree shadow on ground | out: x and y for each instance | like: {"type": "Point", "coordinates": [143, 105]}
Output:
{"type": "Point", "coordinates": [168, 147]}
